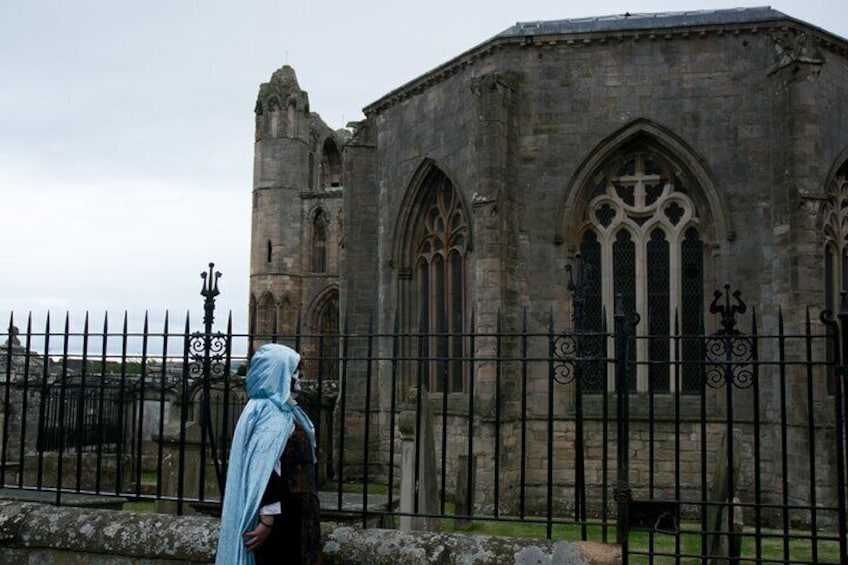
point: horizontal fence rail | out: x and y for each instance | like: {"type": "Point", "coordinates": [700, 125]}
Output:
{"type": "Point", "coordinates": [682, 448]}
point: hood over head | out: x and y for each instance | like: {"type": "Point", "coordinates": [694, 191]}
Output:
{"type": "Point", "coordinates": [270, 373]}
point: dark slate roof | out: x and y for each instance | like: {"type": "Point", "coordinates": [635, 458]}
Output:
{"type": "Point", "coordinates": [627, 22]}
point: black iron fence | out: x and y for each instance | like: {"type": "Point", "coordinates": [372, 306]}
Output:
{"type": "Point", "coordinates": [726, 445]}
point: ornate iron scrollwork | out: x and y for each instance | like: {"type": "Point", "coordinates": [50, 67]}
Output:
{"type": "Point", "coordinates": [729, 353]}
{"type": "Point", "coordinates": [580, 352]}
{"type": "Point", "coordinates": [207, 350]}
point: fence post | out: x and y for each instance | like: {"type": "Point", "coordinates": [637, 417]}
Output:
{"type": "Point", "coordinates": [209, 292]}
{"type": "Point", "coordinates": [840, 397]}
{"type": "Point", "coordinates": [624, 325]}
{"type": "Point", "coordinates": [578, 293]}
{"type": "Point", "coordinates": [841, 400]}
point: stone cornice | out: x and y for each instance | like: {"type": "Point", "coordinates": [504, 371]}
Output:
{"type": "Point", "coordinates": [815, 35]}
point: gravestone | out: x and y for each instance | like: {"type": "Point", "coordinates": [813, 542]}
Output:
{"type": "Point", "coordinates": [421, 489]}
{"type": "Point", "coordinates": [465, 491]}
{"type": "Point", "coordinates": [724, 515]}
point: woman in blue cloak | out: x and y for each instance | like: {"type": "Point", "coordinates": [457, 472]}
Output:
{"type": "Point", "coordinates": [270, 512]}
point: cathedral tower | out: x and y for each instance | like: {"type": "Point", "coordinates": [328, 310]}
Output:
{"type": "Point", "coordinates": [295, 234]}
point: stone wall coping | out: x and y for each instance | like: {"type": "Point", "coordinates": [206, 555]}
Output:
{"type": "Point", "coordinates": [114, 532]}
{"type": "Point", "coordinates": [111, 536]}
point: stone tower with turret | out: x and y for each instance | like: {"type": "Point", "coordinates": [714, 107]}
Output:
{"type": "Point", "coordinates": [296, 222]}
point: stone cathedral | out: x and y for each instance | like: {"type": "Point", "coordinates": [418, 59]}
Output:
{"type": "Point", "coordinates": [673, 152]}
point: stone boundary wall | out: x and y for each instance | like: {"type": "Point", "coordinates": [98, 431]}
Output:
{"type": "Point", "coordinates": [50, 535]}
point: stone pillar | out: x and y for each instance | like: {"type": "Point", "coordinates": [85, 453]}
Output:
{"type": "Point", "coordinates": [358, 295]}
{"type": "Point", "coordinates": [495, 284]}
{"type": "Point", "coordinates": [190, 461]}
{"type": "Point", "coordinates": [418, 445]}
{"type": "Point", "coordinates": [798, 169]}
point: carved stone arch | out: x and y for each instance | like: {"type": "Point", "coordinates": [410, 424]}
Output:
{"type": "Point", "coordinates": [319, 225]}
{"type": "Point", "coordinates": [321, 348]}
{"type": "Point", "coordinates": [830, 190]}
{"type": "Point", "coordinates": [645, 136]}
{"type": "Point", "coordinates": [432, 241]}
{"type": "Point", "coordinates": [638, 210]}
{"type": "Point", "coordinates": [415, 194]}
{"type": "Point", "coordinates": [832, 229]}
{"type": "Point", "coordinates": [266, 310]}
{"type": "Point", "coordinates": [288, 316]}
{"type": "Point", "coordinates": [832, 217]}
{"type": "Point", "coordinates": [331, 164]}
{"type": "Point", "coordinates": [321, 300]}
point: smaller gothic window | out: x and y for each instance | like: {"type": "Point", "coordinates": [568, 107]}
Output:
{"type": "Point", "coordinates": [331, 165]}
{"type": "Point", "coordinates": [268, 252]}
{"type": "Point", "coordinates": [319, 242]}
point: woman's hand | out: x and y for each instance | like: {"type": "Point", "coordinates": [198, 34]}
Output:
{"type": "Point", "coordinates": [256, 537]}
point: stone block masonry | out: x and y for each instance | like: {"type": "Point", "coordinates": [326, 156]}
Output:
{"type": "Point", "coordinates": [50, 535]}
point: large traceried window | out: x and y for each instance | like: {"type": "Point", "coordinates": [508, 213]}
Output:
{"type": "Point", "coordinates": [835, 228]}
{"type": "Point", "coordinates": [440, 280]}
{"type": "Point", "coordinates": [642, 237]}
{"type": "Point", "coordinates": [836, 238]}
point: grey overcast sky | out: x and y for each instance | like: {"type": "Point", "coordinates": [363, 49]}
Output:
{"type": "Point", "coordinates": [126, 128]}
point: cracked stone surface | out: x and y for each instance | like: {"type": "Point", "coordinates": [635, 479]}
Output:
{"type": "Point", "coordinates": [45, 534]}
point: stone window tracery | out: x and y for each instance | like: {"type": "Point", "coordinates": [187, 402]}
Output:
{"type": "Point", "coordinates": [642, 237]}
{"type": "Point", "coordinates": [835, 228]}
{"type": "Point", "coordinates": [440, 272]}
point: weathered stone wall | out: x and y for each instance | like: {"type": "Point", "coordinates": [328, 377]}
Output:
{"type": "Point", "coordinates": [717, 93]}
{"type": "Point", "coordinates": [290, 184]}
{"type": "Point", "coordinates": [49, 535]}
{"type": "Point", "coordinates": [755, 114]}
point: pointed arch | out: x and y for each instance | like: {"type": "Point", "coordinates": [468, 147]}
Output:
{"type": "Point", "coordinates": [639, 211]}
{"type": "Point", "coordinates": [266, 318]}
{"type": "Point", "coordinates": [431, 246]}
{"type": "Point", "coordinates": [331, 164]}
{"type": "Point", "coordinates": [323, 330]}
{"type": "Point", "coordinates": [427, 173]}
{"type": "Point", "coordinates": [833, 230]}
{"type": "Point", "coordinates": [649, 137]}
{"type": "Point", "coordinates": [319, 225]}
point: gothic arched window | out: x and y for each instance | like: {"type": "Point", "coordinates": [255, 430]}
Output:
{"type": "Point", "coordinates": [440, 280]}
{"type": "Point", "coordinates": [836, 238]}
{"type": "Point", "coordinates": [835, 246]}
{"type": "Point", "coordinates": [642, 238]}
{"type": "Point", "coordinates": [331, 165]}
{"type": "Point", "coordinates": [327, 324]}
{"type": "Point", "coordinates": [319, 242]}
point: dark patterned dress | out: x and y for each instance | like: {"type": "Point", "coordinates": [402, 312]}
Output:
{"type": "Point", "coordinates": [295, 538]}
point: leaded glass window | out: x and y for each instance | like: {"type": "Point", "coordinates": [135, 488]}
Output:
{"type": "Point", "coordinates": [441, 277]}
{"type": "Point", "coordinates": [836, 246]}
{"type": "Point", "coordinates": [642, 237]}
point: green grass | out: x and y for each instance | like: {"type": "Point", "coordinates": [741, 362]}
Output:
{"type": "Point", "coordinates": [663, 547]}
{"type": "Point", "coordinates": [772, 544]}
{"type": "Point", "coordinates": [139, 506]}
{"type": "Point", "coordinates": [373, 488]}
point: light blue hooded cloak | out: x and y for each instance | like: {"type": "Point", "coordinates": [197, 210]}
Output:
{"type": "Point", "coordinates": [261, 434]}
